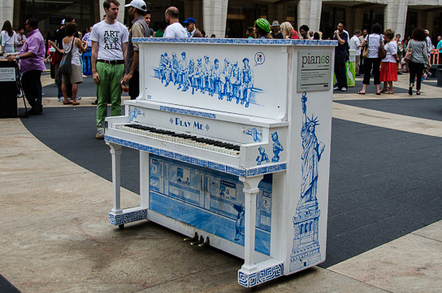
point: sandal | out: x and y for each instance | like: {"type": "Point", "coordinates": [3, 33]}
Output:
{"type": "Point", "coordinates": [67, 102]}
{"type": "Point", "coordinates": [418, 93]}
{"type": "Point", "coordinates": [378, 94]}
{"type": "Point", "coordinates": [361, 93]}
{"type": "Point", "coordinates": [383, 91]}
{"type": "Point", "coordinates": [389, 93]}
{"type": "Point", "coordinates": [75, 103]}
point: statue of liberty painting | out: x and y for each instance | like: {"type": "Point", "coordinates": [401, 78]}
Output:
{"type": "Point", "coordinates": [306, 248]}
{"type": "Point", "coordinates": [311, 154]}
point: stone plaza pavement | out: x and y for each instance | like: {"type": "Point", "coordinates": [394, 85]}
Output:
{"type": "Point", "coordinates": [55, 235]}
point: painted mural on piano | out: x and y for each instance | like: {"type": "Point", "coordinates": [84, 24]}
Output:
{"type": "Point", "coordinates": [232, 81]}
{"type": "Point", "coordinates": [214, 201]}
{"type": "Point", "coordinates": [306, 248]}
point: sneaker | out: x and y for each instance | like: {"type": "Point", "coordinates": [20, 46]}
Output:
{"type": "Point", "coordinates": [336, 88]}
{"type": "Point", "coordinates": [95, 102]}
{"type": "Point", "coordinates": [61, 99]}
{"type": "Point", "coordinates": [78, 98]}
{"type": "Point", "coordinates": [344, 89]}
{"type": "Point", "coordinates": [100, 134]}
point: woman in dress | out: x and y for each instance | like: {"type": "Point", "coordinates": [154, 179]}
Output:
{"type": "Point", "coordinates": [389, 63]}
{"type": "Point", "coordinates": [374, 41]}
{"type": "Point", "coordinates": [77, 46]}
{"type": "Point", "coordinates": [417, 47]}
{"type": "Point", "coordinates": [8, 38]}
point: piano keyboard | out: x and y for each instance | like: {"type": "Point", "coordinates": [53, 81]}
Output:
{"type": "Point", "coordinates": [181, 138]}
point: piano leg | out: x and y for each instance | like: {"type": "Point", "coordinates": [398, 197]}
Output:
{"type": "Point", "coordinates": [116, 175]}
{"type": "Point", "coordinates": [118, 216]}
{"type": "Point", "coordinates": [250, 190]}
{"type": "Point", "coordinates": [144, 179]}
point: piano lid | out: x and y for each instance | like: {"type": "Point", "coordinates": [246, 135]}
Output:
{"type": "Point", "coordinates": [241, 76]}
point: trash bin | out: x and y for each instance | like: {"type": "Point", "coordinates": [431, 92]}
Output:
{"type": "Point", "coordinates": [8, 89]}
{"type": "Point", "coordinates": [439, 77]}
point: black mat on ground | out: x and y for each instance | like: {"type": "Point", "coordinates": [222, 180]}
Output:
{"type": "Point", "coordinates": [383, 183]}
{"type": "Point", "coordinates": [419, 107]}
{"type": "Point", "coordinates": [6, 287]}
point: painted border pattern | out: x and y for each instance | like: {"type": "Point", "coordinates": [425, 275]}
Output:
{"type": "Point", "coordinates": [238, 41]}
{"type": "Point", "coordinates": [256, 278]}
{"type": "Point", "coordinates": [126, 218]}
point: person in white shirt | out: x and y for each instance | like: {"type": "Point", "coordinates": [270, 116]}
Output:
{"type": "Point", "coordinates": [8, 38]}
{"type": "Point", "coordinates": [389, 63]}
{"type": "Point", "coordinates": [174, 28]}
{"type": "Point", "coordinates": [355, 44]}
{"type": "Point", "coordinates": [109, 48]}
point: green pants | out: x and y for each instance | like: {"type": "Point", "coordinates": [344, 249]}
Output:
{"type": "Point", "coordinates": [109, 90]}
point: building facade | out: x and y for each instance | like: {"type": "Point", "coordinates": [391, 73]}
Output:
{"type": "Point", "coordinates": [230, 18]}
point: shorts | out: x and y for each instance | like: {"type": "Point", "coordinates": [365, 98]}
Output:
{"type": "Point", "coordinates": [75, 77]}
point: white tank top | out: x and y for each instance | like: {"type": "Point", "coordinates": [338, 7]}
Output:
{"type": "Point", "coordinates": [75, 53]}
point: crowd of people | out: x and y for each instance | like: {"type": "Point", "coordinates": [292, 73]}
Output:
{"type": "Point", "coordinates": [112, 59]}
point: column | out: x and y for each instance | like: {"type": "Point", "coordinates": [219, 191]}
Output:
{"type": "Point", "coordinates": [7, 12]}
{"type": "Point", "coordinates": [116, 175]}
{"type": "Point", "coordinates": [309, 13]}
{"type": "Point", "coordinates": [215, 17]}
{"type": "Point", "coordinates": [250, 190]}
{"type": "Point", "coordinates": [395, 16]}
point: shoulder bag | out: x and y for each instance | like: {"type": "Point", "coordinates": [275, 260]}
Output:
{"type": "Point", "coordinates": [365, 49]}
{"type": "Point", "coordinates": [65, 63]}
{"type": "Point", "coordinates": [382, 53]}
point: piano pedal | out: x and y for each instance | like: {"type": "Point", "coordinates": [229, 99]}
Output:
{"type": "Point", "coordinates": [207, 243]}
{"type": "Point", "coordinates": [195, 238]}
{"type": "Point", "coordinates": [201, 241]}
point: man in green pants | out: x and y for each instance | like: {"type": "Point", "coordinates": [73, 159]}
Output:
{"type": "Point", "coordinates": [109, 46]}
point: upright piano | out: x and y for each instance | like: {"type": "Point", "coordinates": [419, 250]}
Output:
{"type": "Point", "coordinates": [234, 144]}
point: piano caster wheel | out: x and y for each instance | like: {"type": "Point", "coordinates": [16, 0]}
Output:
{"type": "Point", "coordinates": [195, 238]}
{"type": "Point", "coordinates": [121, 226]}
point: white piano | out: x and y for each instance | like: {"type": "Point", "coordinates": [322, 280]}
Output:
{"type": "Point", "coordinates": [234, 142]}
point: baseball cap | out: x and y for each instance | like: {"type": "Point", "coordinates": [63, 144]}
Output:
{"type": "Point", "coordinates": [138, 4]}
{"type": "Point", "coordinates": [275, 23]}
{"type": "Point", "coordinates": [190, 20]}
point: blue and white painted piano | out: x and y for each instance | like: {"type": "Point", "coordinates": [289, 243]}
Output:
{"type": "Point", "coordinates": [234, 141]}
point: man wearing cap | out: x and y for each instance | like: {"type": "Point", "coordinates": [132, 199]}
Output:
{"type": "Point", "coordinates": [109, 46]}
{"type": "Point", "coordinates": [192, 30]}
{"type": "Point", "coordinates": [276, 30]}
{"type": "Point", "coordinates": [174, 28]}
{"type": "Point", "coordinates": [136, 11]}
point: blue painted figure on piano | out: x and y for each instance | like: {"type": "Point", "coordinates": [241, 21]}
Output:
{"type": "Point", "coordinates": [239, 224]}
{"type": "Point", "coordinates": [306, 248]}
{"type": "Point", "coordinates": [134, 113]}
{"type": "Point", "coordinates": [277, 147]}
{"type": "Point", "coordinates": [232, 81]}
{"type": "Point", "coordinates": [247, 81]}
{"type": "Point", "coordinates": [263, 157]}
{"type": "Point", "coordinates": [255, 134]}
